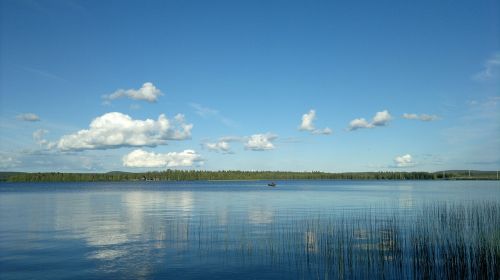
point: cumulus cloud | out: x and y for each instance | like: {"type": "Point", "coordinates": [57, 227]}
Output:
{"type": "Point", "coordinates": [307, 124]}
{"type": "Point", "coordinates": [421, 117]}
{"type": "Point", "coordinates": [256, 142]}
{"type": "Point", "coordinates": [491, 69]}
{"type": "Point", "coordinates": [148, 92]}
{"type": "Point", "coordinates": [307, 121]}
{"type": "Point", "coordinates": [359, 123]}
{"type": "Point", "coordinates": [28, 117]}
{"type": "Point", "coordinates": [404, 161]}
{"type": "Point", "coordinates": [220, 147]}
{"type": "Point", "coordinates": [260, 142]}
{"type": "Point", "coordinates": [115, 130]}
{"type": "Point", "coordinates": [141, 158]}
{"type": "Point", "coordinates": [380, 119]}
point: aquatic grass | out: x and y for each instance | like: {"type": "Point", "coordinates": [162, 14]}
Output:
{"type": "Point", "coordinates": [435, 241]}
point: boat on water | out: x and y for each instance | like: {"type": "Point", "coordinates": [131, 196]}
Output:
{"type": "Point", "coordinates": [272, 184]}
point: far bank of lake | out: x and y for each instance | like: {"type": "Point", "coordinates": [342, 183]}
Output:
{"type": "Point", "coordinates": [234, 175]}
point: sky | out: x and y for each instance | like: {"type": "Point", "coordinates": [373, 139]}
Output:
{"type": "Point", "coordinates": [335, 86]}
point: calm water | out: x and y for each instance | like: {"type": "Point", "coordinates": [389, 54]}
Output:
{"type": "Point", "coordinates": [245, 230]}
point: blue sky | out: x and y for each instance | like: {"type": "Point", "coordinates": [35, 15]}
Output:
{"type": "Point", "coordinates": [259, 85]}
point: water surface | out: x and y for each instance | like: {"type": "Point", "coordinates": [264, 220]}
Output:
{"type": "Point", "coordinates": [243, 229]}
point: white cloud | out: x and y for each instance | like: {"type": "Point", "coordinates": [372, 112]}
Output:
{"type": "Point", "coordinates": [404, 161]}
{"type": "Point", "coordinates": [256, 142]}
{"type": "Point", "coordinates": [491, 69]}
{"type": "Point", "coordinates": [307, 124]}
{"type": "Point", "coordinates": [324, 131]}
{"type": "Point", "coordinates": [38, 136]}
{"type": "Point", "coordinates": [410, 116]}
{"type": "Point", "coordinates": [141, 158]}
{"type": "Point", "coordinates": [220, 147]}
{"type": "Point", "coordinates": [380, 119]}
{"type": "Point", "coordinates": [28, 117]}
{"type": "Point", "coordinates": [260, 142]}
{"type": "Point", "coordinates": [115, 130]}
{"type": "Point", "coordinates": [307, 121]}
{"type": "Point", "coordinates": [359, 123]}
{"type": "Point", "coordinates": [421, 117]}
{"type": "Point", "coordinates": [147, 92]}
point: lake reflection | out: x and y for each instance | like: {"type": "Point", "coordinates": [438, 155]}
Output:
{"type": "Point", "coordinates": [239, 230]}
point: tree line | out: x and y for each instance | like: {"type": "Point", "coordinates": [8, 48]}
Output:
{"type": "Point", "coordinates": [198, 175]}
{"type": "Point", "coordinates": [194, 175]}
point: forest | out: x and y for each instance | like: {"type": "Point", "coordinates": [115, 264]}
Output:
{"type": "Point", "coordinates": [197, 175]}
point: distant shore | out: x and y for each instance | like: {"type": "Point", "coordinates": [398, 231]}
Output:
{"type": "Point", "coordinates": [234, 175]}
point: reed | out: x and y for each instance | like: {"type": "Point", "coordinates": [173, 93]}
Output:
{"type": "Point", "coordinates": [436, 241]}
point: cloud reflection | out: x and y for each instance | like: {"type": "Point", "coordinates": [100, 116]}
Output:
{"type": "Point", "coordinates": [111, 224]}
{"type": "Point", "coordinates": [260, 215]}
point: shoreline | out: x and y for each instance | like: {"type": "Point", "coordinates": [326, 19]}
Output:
{"type": "Point", "coordinates": [221, 176]}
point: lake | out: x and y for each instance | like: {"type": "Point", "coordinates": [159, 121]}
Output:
{"type": "Point", "coordinates": [247, 230]}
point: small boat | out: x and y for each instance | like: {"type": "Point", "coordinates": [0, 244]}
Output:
{"type": "Point", "coordinates": [272, 184]}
